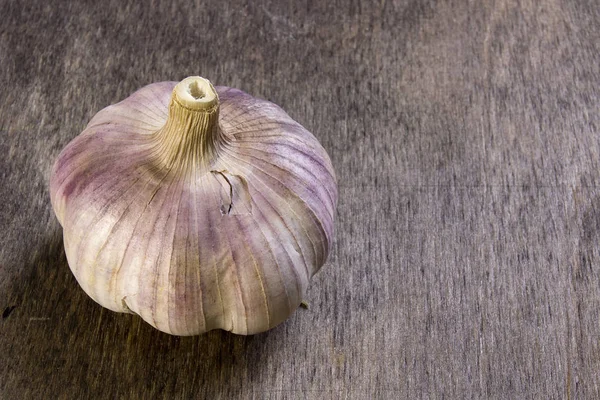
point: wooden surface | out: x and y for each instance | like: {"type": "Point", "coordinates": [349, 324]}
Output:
{"type": "Point", "coordinates": [465, 136]}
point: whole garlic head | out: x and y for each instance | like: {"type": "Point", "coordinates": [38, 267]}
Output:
{"type": "Point", "coordinates": [196, 207]}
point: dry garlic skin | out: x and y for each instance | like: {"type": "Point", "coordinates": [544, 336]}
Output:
{"type": "Point", "coordinates": [196, 207]}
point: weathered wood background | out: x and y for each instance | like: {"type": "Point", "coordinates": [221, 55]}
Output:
{"type": "Point", "coordinates": [465, 136]}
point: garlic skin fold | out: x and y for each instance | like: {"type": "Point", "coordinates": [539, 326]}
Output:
{"type": "Point", "coordinates": [196, 207]}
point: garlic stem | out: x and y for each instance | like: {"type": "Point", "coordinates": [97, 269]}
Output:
{"type": "Point", "coordinates": [196, 93]}
{"type": "Point", "coordinates": [191, 138]}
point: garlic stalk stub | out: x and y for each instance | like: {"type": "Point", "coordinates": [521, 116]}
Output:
{"type": "Point", "coordinates": [196, 207]}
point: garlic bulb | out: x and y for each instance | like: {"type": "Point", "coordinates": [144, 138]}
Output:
{"type": "Point", "coordinates": [196, 207]}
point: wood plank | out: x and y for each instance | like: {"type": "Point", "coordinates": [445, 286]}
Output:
{"type": "Point", "coordinates": [465, 139]}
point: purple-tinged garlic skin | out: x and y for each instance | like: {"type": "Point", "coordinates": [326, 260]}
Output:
{"type": "Point", "coordinates": [196, 207]}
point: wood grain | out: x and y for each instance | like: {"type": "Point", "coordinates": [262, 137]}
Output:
{"type": "Point", "coordinates": [465, 137]}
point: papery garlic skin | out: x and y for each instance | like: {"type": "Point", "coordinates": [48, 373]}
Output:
{"type": "Point", "coordinates": [196, 207]}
